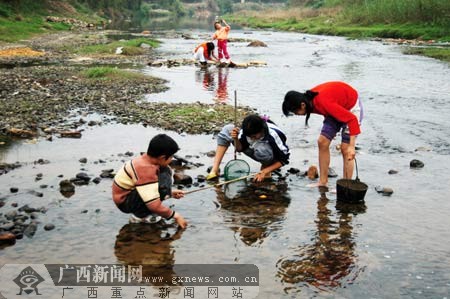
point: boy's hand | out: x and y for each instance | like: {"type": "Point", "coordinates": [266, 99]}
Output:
{"type": "Point", "coordinates": [234, 133]}
{"type": "Point", "coordinates": [180, 220]}
{"type": "Point", "coordinates": [177, 194]}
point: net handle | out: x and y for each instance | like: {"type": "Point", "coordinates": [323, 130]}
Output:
{"type": "Point", "coordinates": [235, 120]}
{"type": "Point", "coordinates": [221, 184]}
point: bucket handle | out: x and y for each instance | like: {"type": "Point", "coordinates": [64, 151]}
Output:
{"type": "Point", "coordinates": [357, 178]}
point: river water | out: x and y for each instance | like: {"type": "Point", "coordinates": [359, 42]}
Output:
{"type": "Point", "coordinates": [305, 244]}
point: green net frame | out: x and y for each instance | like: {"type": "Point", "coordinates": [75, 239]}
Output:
{"type": "Point", "coordinates": [236, 169]}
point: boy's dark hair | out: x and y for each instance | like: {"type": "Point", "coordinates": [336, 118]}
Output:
{"type": "Point", "coordinates": [210, 48]}
{"type": "Point", "coordinates": [215, 23]}
{"type": "Point", "coordinates": [162, 145]}
{"type": "Point", "coordinates": [293, 100]}
{"type": "Point", "coordinates": [253, 124]}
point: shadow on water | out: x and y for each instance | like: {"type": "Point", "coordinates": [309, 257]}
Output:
{"type": "Point", "coordinates": [150, 246]}
{"type": "Point", "coordinates": [330, 261]}
{"type": "Point", "coordinates": [254, 210]}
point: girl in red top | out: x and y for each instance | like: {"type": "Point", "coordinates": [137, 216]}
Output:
{"type": "Point", "coordinates": [338, 102]}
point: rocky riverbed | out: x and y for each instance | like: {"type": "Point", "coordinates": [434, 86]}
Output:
{"type": "Point", "coordinates": [44, 95]}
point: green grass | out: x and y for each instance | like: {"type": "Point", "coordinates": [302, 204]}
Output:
{"type": "Point", "coordinates": [112, 74]}
{"type": "Point", "coordinates": [130, 47]}
{"type": "Point", "coordinates": [437, 53]}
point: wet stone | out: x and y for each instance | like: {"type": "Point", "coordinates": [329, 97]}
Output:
{"type": "Point", "coordinates": [7, 238]}
{"type": "Point", "coordinates": [416, 164]}
{"type": "Point", "coordinates": [7, 226]}
{"type": "Point", "coordinates": [201, 178]}
{"type": "Point", "coordinates": [43, 186]}
{"type": "Point", "coordinates": [30, 230]}
{"type": "Point", "coordinates": [41, 161]}
{"type": "Point", "coordinates": [312, 172]}
{"type": "Point", "coordinates": [107, 173]}
{"type": "Point", "coordinates": [293, 170]}
{"type": "Point", "coordinates": [14, 205]}
{"type": "Point", "coordinates": [96, 180]}
{"type": "Point", "coordinates": [27, 209]}
{"type": "Point", "coordinates": [182, 179]}
{"type": "Point", "coordinates": [211, 154]}
{"type": "Point", "coordinates": [392, 171]}
{"type": "Point", "coordinates": [14, 189]}
{"type": "Point", "coordinates": [84, 211]}
{"type": "Point", "coordinates": [35, 193]}
{"type": "Point", "coordinates": [385, 191]}
{"type": "Point", "coordinates": [10, 215]}
{"type": "Point", "coordinates": [83, 160]}
{"type": "Point", "coordinates": [66, 186]}
{"type": "Point", "coordinates": [83, 176]}
{"type": "Point", "coordinates": [49, 226]}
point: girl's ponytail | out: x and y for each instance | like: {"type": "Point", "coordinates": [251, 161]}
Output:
{"type": "Point", "coordinates": [309, 96]}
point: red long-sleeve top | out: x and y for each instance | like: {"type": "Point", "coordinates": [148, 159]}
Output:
{"type": "Point", "coordinates": [335, 99]}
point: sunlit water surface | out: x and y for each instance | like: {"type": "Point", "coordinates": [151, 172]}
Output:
{"type": "Point", "coordinates": [304, 244]}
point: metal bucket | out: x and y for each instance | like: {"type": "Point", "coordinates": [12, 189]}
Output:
{"type": "Point", "coordinates": [351, 191]}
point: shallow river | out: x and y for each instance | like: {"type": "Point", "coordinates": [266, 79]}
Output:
{"type": "Point", "coordinates": [305, 245]}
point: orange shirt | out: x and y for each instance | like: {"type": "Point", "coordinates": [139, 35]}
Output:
{"type": "Point", "coordinates": [222, 33]}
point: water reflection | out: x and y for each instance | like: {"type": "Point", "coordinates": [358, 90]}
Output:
{"type": "Point", "coordinates": [330, 261]}
{"type": "Point", "coordinates": [207, 78]}
{"type": "Point", "coordinates": [149, 245]}
{"type": "Point", "coordinates": [222, 81]}
{"type": "Point", "coordinates": [254, 210]}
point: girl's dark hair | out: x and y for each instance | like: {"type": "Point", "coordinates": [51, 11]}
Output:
{"type": "Point", "coordinates": [210, 48]}
{"type": "Point", "coordinates": [293, 100]}
{"type": "Point", "coordinates": [253, 124]}
{"type": "Point", "coordinates": [162, 145]}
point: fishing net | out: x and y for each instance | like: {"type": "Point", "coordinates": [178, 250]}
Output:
{"type": "Point", "coordinates": [235, 169]}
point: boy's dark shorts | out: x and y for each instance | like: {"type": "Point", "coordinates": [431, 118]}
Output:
{"type": "Point", "coordinates": [135, 205]}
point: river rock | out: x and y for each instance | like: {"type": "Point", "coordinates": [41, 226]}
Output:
{"type": "Point", "coordinates": [14, 189]}
{"type": "Point", "coordinates": [7, 238]}
{"type": "Point", "coordinates": [257, 43]}
{"type": "Point", "coordinates": [293, 170]}
{"type": "Point", "coordinates": [83, 160]}
{"type": "Point", "coordinates": [392, 171]}
{"type": "Point", "coordinates": [386, 191]}
{"type": "Point", "coordinates": [11, 215]}
{"type": "Point", "coordinates": [201, 178]}
{"type": "Point", "coordinates": [183, 179]}
{"type": "Point", "coordinates": [416, 164]}
{"type": "Point", "coordinates": [30, 230]}
{"type": "Point", "coordinates": [49, 226]}
{"type": "Point", "coordinates": [83, 176]}
{"type": "Point", "coordinates": [211, 154]}
{"type": "Point", "coordinates": [7, 226]}
{"type": "Point", "coordinates": [66, 186]}
{"type": "Point", "coordinates": [312, 172]}
{"type": "Point", "coordinates": [107, 173]}
{"type": "Point", "coordinates": [70, 134]}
